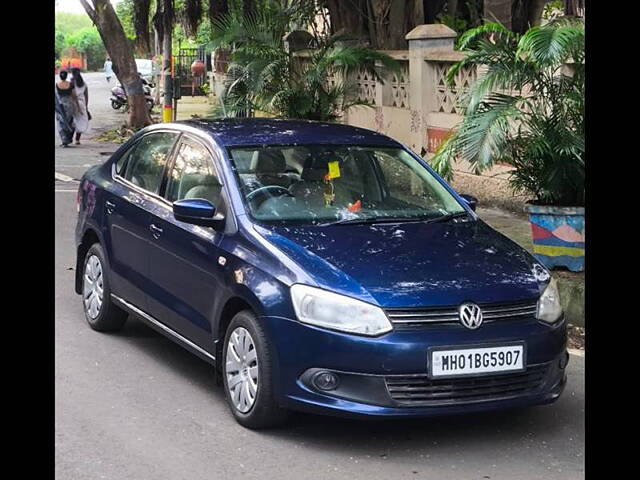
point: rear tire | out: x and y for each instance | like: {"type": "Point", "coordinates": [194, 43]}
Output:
{"type": "Point", "coordinates": [99, 310]}
{"type": "Point", "coordinates": [247, 365]}
{"type": "Point", "coordinates": [115, 105]}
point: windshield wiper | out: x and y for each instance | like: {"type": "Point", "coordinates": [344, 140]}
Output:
{"type": "Point", "coordinates": [448, 216]}
{"type": "Point", "coordinates": [365, 221]}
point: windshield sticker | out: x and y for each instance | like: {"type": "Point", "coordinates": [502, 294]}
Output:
{"type": "Point", "coordinates": [334, 170]}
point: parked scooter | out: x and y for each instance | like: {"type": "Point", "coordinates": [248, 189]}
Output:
{"type": "Point", "coordinates": [119, 96]}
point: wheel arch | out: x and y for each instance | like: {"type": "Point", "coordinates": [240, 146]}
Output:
{"type": "Point", "coordinates": [233, 305]}
{"type": "Point", "coordinates": [89, 237]}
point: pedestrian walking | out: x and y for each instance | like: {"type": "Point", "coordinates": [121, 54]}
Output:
{"type": "Point", "coordinates": [108, 69]}
{"type": "Point", "coordinates": [65, 106]}
{"type": "Point", "coordinates": [81, 116]}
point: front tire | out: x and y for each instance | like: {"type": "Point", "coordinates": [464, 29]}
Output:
{"type": "Point", "coordinates": [247, 373]}
{"type": "Point", "coordinates": [101, 313]}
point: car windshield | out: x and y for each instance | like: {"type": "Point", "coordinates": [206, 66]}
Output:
{"type": "Point", "coordinates": [325, 184]}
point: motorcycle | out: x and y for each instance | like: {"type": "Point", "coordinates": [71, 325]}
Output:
{"type": "Point", "coordinates": [119, 96]}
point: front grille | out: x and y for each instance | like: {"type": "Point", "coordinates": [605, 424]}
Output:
{"type": "Point", "coordinates": [411, 318]}
{"type": "Point", "coordinates": [420, 390]}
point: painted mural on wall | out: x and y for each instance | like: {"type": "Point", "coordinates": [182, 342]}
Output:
{"type": "Point", "coordinates": [558, 236]}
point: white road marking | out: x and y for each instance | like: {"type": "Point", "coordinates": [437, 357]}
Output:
{"type": "Point", "coordinates": [86, 165]}
{"type": "Point", "coordinates": [66, 191]}
{"type": "Point", "coordinates": [64, 178]}
{"type": "Point", "coordinates": [576, 352]}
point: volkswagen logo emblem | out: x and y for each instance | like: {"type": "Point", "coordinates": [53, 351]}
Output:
{"type": "Point", "coordinates": [470, 315]}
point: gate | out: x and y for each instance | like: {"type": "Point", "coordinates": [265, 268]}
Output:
{"type": "Point", "coordinates": [189, 85]}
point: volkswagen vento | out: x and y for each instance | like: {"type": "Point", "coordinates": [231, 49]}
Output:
{"type": "Point", "coordinates": [318, 267]}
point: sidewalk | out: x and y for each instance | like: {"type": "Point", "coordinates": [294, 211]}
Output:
{"type": "Point", "coordinates": [188, 106]}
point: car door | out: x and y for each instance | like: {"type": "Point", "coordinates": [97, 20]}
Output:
{"type": "Point", "coordinates": [187, 277]}
{"type": "Point", "coordinates": [138, 179]}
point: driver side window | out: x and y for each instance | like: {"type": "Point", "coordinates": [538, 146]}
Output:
{"type": "Point", "coordinates": [193, 175]}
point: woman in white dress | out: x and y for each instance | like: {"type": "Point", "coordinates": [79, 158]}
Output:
{"type": "Point", "coordinates": [81, 116]}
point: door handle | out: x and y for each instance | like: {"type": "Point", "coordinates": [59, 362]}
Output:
{"type": "Point", "coordinates": [155, 231]}
{"type": "Point", "coordinates": [110, 206]}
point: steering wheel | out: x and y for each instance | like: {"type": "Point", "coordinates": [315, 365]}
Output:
{"type": "Point", "coordinates": [275, 190]}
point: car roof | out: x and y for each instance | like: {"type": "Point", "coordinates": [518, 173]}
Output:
{"type": "Point", "coordinates": [229, 132]}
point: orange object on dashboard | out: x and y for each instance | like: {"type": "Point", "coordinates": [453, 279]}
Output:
{"type": "Point", "coordinates": [355, 206]}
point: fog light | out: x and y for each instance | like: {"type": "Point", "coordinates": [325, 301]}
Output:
{"type": "Point", "coordinates": [564, 360]}
{"type": "Point", "coordinates": [325, 381]}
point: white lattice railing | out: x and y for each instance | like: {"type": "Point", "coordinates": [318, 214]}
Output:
{"type": "Point", "coordinates": [399, 85]}
{"type": "Point", "coordinates": [334, 79]}
{"type": "Point", "coordinates": [366, 83]}
{"type": "Point", "coordinates": [447, 98]}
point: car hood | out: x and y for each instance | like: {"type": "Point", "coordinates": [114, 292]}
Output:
{"type": "Point", "coordinates": [411, 264]}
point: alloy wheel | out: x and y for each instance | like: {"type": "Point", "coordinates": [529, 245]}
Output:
{"type": "Point", "coordinates": [93, 287]}
{"type": "Point", "coordinates": [242, 369]}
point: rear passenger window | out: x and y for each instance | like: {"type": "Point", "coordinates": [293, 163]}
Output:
{"type": "Point", "coordinates": [147, 160]}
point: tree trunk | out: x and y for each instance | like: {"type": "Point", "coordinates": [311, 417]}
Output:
{"type": "Point", "coordinates": [534, 13]}
{"type": "Point", "coordinates": [418, 13]}
{"type": "Point", "coordinates": [110, 29]}
{"type": "Point", "coordinates": [526, 14]}
{"type": "Point", "coordinates": [574, 8]}
{"type": "Point", "coordinates": [191, 17]}
{"type": "Point", "coordinates": [141, 26]}
{"type": "Point", "coordinates": [387, 23]}
{"type": "Point", "coordinates": [400, 22]}
{"type": "Point", "coordinates": [348, 17]}
{"type": "Point", "coordinates": [498, 11]}
{"type": "Point", "coordinates": [433, 8]}
{"type": "Point", "coordinates": [452, 7]}
{"type": "Point", "coordinates": [390, 20]}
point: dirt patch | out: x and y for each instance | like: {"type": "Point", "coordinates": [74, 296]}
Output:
{"type": "Point", "coordinates": [118, 135]}
{"type": "Point", "coordinates": [576, 337]}
{"type": "Point", "coordinates": [115, 135]}
{"type": "Point", "coordinates": [568, 276]}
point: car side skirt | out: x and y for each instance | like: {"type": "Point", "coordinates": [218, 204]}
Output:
{"type": "Point", "coordinates": [163, 329]}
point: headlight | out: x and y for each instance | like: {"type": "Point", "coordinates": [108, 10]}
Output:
{"type": "Point", "coordinates": [549, 308]}
{"type": "Point", "coordinates": [330, 310]}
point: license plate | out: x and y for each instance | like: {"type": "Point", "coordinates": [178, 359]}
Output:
{"type": "Point", "coordinates": [476, 360]}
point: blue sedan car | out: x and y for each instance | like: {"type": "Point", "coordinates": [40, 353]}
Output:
{"type": "Point", "coordinates": [318, 267]}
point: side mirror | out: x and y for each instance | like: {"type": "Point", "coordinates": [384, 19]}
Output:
{"type": "Point", "coordinates": [471, 200]}
{"type": "Point", "coordinates": [197, 211]}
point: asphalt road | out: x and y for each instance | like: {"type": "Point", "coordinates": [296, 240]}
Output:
{"type": "Point", "coordinates": [133, 405]}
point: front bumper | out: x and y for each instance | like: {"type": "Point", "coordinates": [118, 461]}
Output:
{"type": "Point", "coordinates": [370, 369]}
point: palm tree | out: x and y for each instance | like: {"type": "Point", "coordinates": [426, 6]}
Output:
{"type": "Point", "coordinates": [527, 110]}
{"type": "Point", "coordinates": [313, 84]}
